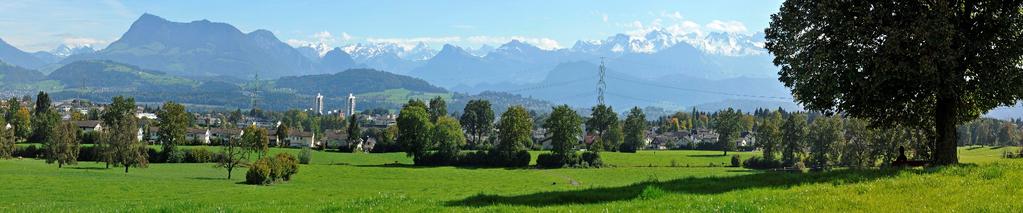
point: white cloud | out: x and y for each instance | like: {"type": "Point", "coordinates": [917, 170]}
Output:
{"type": "Point", "coordinates": [604, 17]}
{"type": "Point", "coordinates": [727, 26]}
{"type": "Point", "coordinates": [412, 42]}
{"type": "Point", "coordinates": [674, 15]}
{"type": "Point", "coordinates": [542, 43]}
{"type": "Point", "coordinates": [345, 36]}
{"type": "Point", "coordinates": [82, 41]}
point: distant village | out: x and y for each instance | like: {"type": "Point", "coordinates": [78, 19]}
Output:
{"type": "Point", "coordinates": [211, 128]}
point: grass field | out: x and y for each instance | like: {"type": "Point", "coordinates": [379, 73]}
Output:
{"type": "Point", "coordinates": [643, 181]}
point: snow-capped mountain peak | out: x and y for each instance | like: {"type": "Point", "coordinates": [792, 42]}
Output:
{"type": "Point", "coordinates": [364, 51]}
{"type": "Point", "coordinates": [65, 50]}
{"type": "Point", "coordinates": [719, 43]}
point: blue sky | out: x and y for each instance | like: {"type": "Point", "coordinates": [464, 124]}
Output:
{"type": "Point", "coordinates": [34, 25]}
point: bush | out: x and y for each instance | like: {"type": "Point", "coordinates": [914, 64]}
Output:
{"type": "Point", "coordinates": [593, 159]}
{"type": "Point", "coordinates": [176, 156]}
{"type": "Point", "coordinates": [259, 172]}
{"type": "Point", "coordinates": [199, 155]}
{"type": "Point", "coordinates": [549, 160]}
{"type": "Point", "coordinates": [757, 162]}
{"type": "Point", "coordinates": [270, 170]}
{"type": "Point", "coordinates": [29, 151]}
{"type": "Point", "coordinates": [305, 156]}
{"type": "Point", "coordinates": [736, 161]}
{"type": "Point", "coordinates": [522, 158]}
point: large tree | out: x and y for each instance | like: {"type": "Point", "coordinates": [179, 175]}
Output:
{"type": "Point", "coordinates": [414, 130]}
{"type": "Point", "coordinates": [122, 145]}
{"type": "Point", "coordinates": [635, 127]}
{"type": "Point", "coordinates": [514, 131]}
{"type": "Point", "coordinates": [564, 125]}
{"type": "Point", "coordinates": [173, 122]}
{"type": "Point", "coordinates": [62, 144]}
{"type": "Point", "coordinates": [477, 120]}
{"type": "Point", "coordinates": [926, 64]}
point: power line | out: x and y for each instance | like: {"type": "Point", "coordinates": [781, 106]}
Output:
{"type": "Point", "coordinates": [702, 91]}
{"type": "Point", "coordinates": [601, 85]}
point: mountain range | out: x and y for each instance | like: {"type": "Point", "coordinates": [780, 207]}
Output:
{"type": "Point", "coordinates": [204, 50]}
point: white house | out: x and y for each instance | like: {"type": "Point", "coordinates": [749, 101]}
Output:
{"type": "Point", "coordinates": [89, 126]}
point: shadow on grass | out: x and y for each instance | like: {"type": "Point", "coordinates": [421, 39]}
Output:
{"type": "Point", "coordinates": [706, 156]}
{"type": "Point", "coordinates": [208, 178]}
{"type": "Point", "coordinates": [413, 166]}
{"type": "Point", "coordinates": [90, 168]}
{"type": "Point", "coordinates": [691, 185]}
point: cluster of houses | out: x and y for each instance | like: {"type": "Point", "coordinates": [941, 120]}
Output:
{"type": "Point", "coordinates": [692, 138]}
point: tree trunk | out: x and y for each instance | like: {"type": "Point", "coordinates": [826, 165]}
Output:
{"type": "Point", "coordinates": [945, 130]}
{"type": "Point", "coordinates": [126, 169]}
{"type": "Point", "coordinates": [229, 172]}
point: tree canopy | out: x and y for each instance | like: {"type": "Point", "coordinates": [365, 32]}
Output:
{"type": "Point", "coordinates": [927, 64]}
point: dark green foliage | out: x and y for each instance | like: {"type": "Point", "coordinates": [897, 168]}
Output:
{"type": "Point", "coordinates": [757, 162]}
{"type": "Point", "coordinates": [727, 123]}
{"type": "Point", "coordinates": [563, 125]}
{"type": "Point", "coordinates": [6, 143]}
{"type": "Point", "coordinates": [478, 121]}
{"type": "Point", "coordinates": [438, 108]}
{"type": "Point", "coordinates": [354, 132]}
{"type": "Point", "coordinates": [514, 132]}
{"type": "Point", "coordinates": [736, 161]}
{"type": "Point", "coordinates": [635, 126]}
{"type": "Point", "coordinates": [921, 64]}
{"type": "Point", "coordinates": [173, 122]}
{"type": "Point", "coordinates": [414, 130]}
{"type": "Point", "coordinates": [825, 135]}
{"type": "Point", "coordinates": [794, 132]}
{"type": "Point", "coordinates": [10, 74]}
{"type": "Point", "coordinates": [447, 135]}
{"type": "Point", "coordinates": [30, 151]}
{"type": "Point", "coordinates": [553, 161]}
{"type": "Point", "coordinates": [602, 120]}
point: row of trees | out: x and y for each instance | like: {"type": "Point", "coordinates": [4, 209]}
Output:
{"type": "Point", "coordinates": [821, 142]}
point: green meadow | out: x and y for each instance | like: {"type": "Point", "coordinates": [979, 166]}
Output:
{"type": "Point", "coordinates": [645, 181]}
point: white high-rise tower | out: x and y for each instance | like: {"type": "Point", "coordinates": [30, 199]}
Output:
{"type": "Point", "coordinates": [319, 104]}
{"type": "Point", "coordinates": [351, 104]}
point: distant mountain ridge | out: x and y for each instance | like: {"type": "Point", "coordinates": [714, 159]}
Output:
{"type": "Point", "coordinates": [13, 55]}
{"type": "Point", "coordinates": [202, 48]}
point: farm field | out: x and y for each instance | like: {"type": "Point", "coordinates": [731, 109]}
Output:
{"type": "Point", "coordinates": [645, 181]}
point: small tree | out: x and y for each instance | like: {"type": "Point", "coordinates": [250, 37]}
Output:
{"type": "Point", "coordinates": [564, 126]}
{"type": "Point", "coordinates": [122, 129]}
{"type": "Point", "coordinates": [62, 144]}
{"type": "Point", "coordinates": [515, 131]}
{"type": "Point", "coordinates": [438, 108]}
{"type": "Point", "coordinates": [173, 122]}
{"type": "Point", "coordinates": [447, 134]}
{"type": "Point", "coordinates": [354, 132]}
{"type": "Point", "coordinates": [414, 130]}
{"type": "Point", "coordinates": [825, 133]}
{"type": "Point", "coordinates": [477, 120]}
{"type": "Point", "coordinates": [635, 125]}
{"type": "Point", "coordinates": [793, 134]}
{"type": "Point", "coordinates": [256, 140]}
{"type": "Point", "coordinates": [282, 135]}
{"type": "Point", "coordinates": [6, 143]}
{"type": "Point", "coordinates": [232, 154]}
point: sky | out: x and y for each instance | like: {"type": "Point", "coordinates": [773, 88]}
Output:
{"type": "Point", "coordinates": [37, 25]}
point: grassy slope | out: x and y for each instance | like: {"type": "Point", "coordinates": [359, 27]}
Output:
{"type": "Point", "coordinates": [350, 182]}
